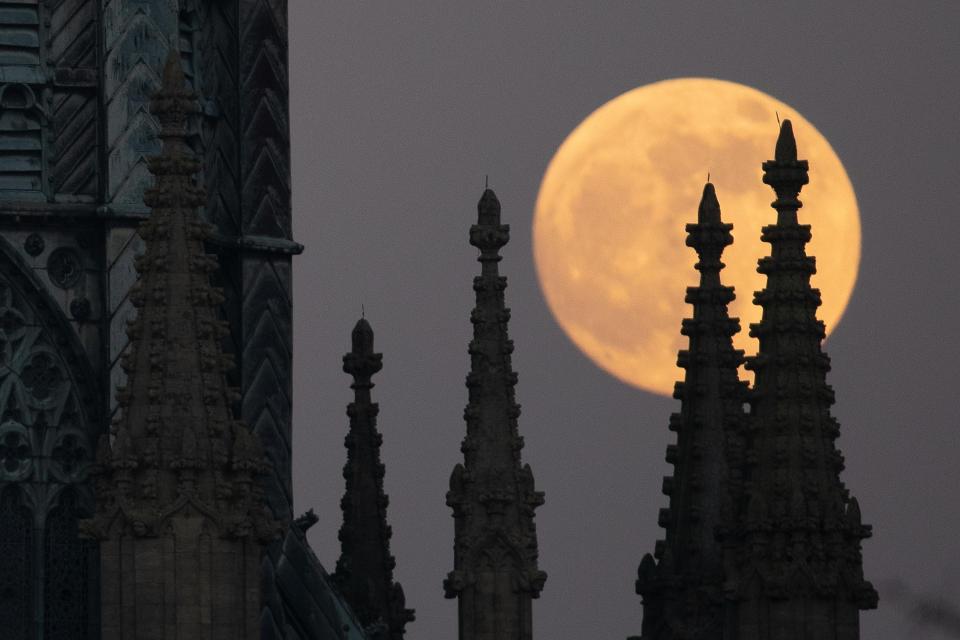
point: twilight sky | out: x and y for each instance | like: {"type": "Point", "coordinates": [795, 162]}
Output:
{"type": "Point", "coordinates": [399, 109]}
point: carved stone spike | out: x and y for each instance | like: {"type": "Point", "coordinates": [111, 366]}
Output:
{"type": "Point", "coordinates": [171, 474]}
{"type": "Point", "coordinates": [365, 569]}
{"type": "Point", "coordinates": [492, 494]}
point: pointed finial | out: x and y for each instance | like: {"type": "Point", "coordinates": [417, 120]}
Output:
{"type": "Point", "coordinates": [709, 210]}
{"type": "Point", "coordinates": [173, 78]}
{"type": "Point", "coordinates": [362, 362]}
{"type": "Point", "coordinates": [486, 181]}
{"type": "Point", "coordinates": [362, 337]}
{"type": "Point", "coordinates": [363, 311]}
{"type": "Point", "coordinates": [173, 104]}
{"type": "Point", "coordinates": [488, 209]}
{"type": "Point", "coordinates": [786, 150]}
{"type": "Point", "coordinates": [777, 113]}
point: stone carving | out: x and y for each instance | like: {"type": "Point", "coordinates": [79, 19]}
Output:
{"type": "Point", "coordinates": [64, 267]}
{"type": "Point", "coordinates": [39, 398]}
{"type": "Point", "coordinates": [34, 245]}
{"type": "Point", "coordinates": [80, 309]}
{"type": "Point", "coordinates": [179, 483]}
{"type": "Point", "coordinates": [492, 494]}
{"type": "Point", "coordinates": [365, 569]}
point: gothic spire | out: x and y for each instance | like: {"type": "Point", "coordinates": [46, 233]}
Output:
{"type": "Point", "coordinates": [365, 569]}
{"type": "Point", "coordinates": [180, 465]}
{"type": "Point", "coordinates": [492, 494]}
{"type": "Point", "coordinates": [798, 541]}
{"type": "Point", "coordinates": [682, 590]}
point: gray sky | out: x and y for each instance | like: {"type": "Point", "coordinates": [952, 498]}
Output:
{"type": "Point", "coordinates": [400, 108]}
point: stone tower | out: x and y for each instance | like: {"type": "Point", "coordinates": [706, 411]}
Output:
{"type": "Point", "coordinates": [180, 515]}
{"type": "Point", "coordinates": [76, 80]}
{"type": "Point", "coordinates": [495, 574]}
{"type": "Point", "coordinates": [794, 567]}
{"type": "Point", "coordinates": [365, 569]}
{"type": "Point", "coordinates": [683, 588]}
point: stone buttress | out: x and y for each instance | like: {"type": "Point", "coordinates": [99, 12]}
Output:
{"type": "Point", "coordinates": [496, 574]}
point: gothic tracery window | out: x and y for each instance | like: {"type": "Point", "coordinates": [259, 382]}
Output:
{"type": "Point", "coordinates": [45, 456]}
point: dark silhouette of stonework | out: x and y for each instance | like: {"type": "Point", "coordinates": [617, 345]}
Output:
{"type": "Point", "coordinates": [795, 553]}
{"type": "Point", "coordinates": [682, 590]}
{"type": "Point", "coordinates": [787, 532]}
{"type": "Point", "coordinates": [181, 518]}
{"type": "Point", "coordinates": [496, 575]}
{"type": "Point", "coordinates": [364, 572]}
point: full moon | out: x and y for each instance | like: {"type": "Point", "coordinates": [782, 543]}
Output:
{"type": "Point", "coordinates": [608, 231]}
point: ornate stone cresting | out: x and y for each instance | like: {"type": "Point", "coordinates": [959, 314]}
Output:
{"type": "Point", "coordinates": [795, 568]}
{"type": "Point", "coordinates": [493, 498]}
{"type": "Point", "coordinates": [683, 588]}
{"type": "Point", "coordinates": [364, 572]}
{"type": "Point", "coordinates": [180, 514]}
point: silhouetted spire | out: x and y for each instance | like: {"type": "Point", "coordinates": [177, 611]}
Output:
{"type": "Point", "coordinates": [492, 494]}
{"type": "Point", "coordinates": [365, 569]}
{"type": "Point", "coordinates": [683, 592]}
{"type": "Point", "coordinates": [797, 562]}
{"type": "Point", "coordinates": [180, 466]}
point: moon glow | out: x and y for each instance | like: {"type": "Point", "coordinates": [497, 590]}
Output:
{"type": "Point", "coordinates": [608, 230]}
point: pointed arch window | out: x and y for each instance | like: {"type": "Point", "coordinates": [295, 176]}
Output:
{"type": "Point", "coordinates": [48, 575]}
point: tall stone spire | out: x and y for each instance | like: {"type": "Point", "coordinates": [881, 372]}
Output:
{"type": "Point", "coordinates": [180, 514]}
{"type": "Point", "coordinates": [683, 588]}
{"type": "Point", "coordinates": [796, 569]}
{"type": "Point", "coordinates": [364, 572]}
{"type": "Point", "coordinates": [493, 498]}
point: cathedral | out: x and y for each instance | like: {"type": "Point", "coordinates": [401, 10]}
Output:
{"type": "Point", "coordinates": [145, 412]}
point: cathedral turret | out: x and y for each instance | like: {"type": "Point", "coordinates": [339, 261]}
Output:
{"type": "Point", "coordinates": [797, 570]}
{"type": "Point", "coordinates": [682, 590]}
{"type": "Point", "coordinates": [180, 514]}
{"type": "Point", "coordinates": [492, 494]}
{"type": "Point", "coordinates": [364, 572]}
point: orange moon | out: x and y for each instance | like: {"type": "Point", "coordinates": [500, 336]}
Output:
{"type": "Point", "coordinates": [608, 231]}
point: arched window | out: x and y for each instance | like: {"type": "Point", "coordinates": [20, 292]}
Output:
{"type": "Point", "coordinates": [47, 427]}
